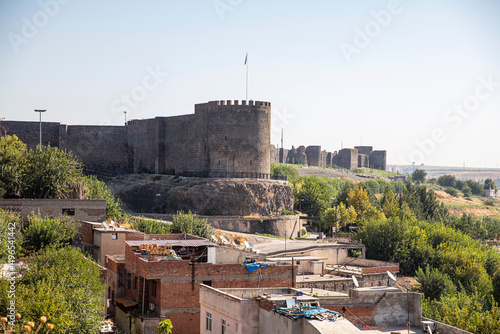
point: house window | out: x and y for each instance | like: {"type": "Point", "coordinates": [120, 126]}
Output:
{"type": "Point", "coordinates": [135, 283]}
{"type": "Point", "coordinates": [223, 330]}
{"type": "Point", "coordinates": [114, 236]}
{"type": "Point", "coordinates": [209, 322]}
{"type": "Point", "coordinates": [153, 288]}
{"type": "Point", "coordinates": [68, 212]}
{"type": "Point", "coordinates": [129, 281]}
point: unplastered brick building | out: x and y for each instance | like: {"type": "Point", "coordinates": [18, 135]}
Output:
{"type": "Point", "coordinates": [158, 279]}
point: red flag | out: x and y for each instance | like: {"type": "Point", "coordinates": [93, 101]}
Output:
{"type": "Point", "coordinates": [246, 59]}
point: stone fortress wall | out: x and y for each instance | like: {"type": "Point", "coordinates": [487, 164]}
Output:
{"type": "Point", "coordinates": [348, 158]}
{"type": "Point", "coordinates": [221, 139]}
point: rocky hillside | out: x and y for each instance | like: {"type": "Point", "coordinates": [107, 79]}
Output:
{"type": "Point", "coordinates": [168, 194]}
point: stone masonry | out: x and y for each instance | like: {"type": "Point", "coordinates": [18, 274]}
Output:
{"type": "Point", "coordinates": [221, 139]}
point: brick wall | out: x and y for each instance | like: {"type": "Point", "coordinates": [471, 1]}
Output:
{"type": "Point", "coordinates": [359, 315]}
{"type": "Point", "coordinates": [177, 284]}
{"type": "Point", "coordinates": [87, 235]}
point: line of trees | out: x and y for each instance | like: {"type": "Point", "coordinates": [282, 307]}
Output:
{"type": "Point", "coordinates": [458, 273]}
{"type": "Point", "coordinates": [452, 185]}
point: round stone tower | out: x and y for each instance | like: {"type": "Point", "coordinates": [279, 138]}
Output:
{"type": "Point", "coordinates": [238, 137]}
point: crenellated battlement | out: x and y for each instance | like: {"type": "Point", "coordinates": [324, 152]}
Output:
{"type": "Point", "coordinates": [238, 103]}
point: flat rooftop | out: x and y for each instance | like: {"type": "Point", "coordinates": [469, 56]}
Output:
{"type": "Point", "coordinates": [393, 329]}
{"type": "Point", "coordinates": [318, 278]}
{"type": "Point", "coordinates": [277, 246]}
{"type": "Point", "coordinates": [172, 242]}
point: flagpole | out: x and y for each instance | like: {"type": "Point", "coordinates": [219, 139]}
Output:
{"type": "Point", "coordinates": [246, 61]}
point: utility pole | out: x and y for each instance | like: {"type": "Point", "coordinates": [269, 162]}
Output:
{"type": "Point", "coordinates": [125, 113]}
{"type": "Point", "coordinates": [282, 153]}
{"type": "Point", "coordinates": [40, 111]}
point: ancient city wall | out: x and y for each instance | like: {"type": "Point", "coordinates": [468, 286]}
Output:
{"type": "Point", "coordinates": [29, 132]}
{"type": "Point", "coordinates": [314, 156]}
{"type": "Point", "coordinates": [378, 160]}
{"type": "Point", "coordinates": [348, 158]}
{"type": "Point", "coordinates": [221, 139]}
{"type": "Point", "coordinates": [102, 149]}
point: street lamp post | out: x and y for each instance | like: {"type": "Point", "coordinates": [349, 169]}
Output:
{"type": "Point", "coordinates": [334, 202]}
{"type": "Point", "coordinates": [40, 111]}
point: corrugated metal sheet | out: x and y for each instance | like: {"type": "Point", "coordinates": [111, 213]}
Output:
{"type": "Point", "coordinates": [183, 243]}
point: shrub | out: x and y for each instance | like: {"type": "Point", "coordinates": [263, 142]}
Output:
{"type": "Point", "coordinates": [192, 224]}
{"type": "Point", "coordinates": [451, 191]}
{"type": "Point", "coordinates": [285, 169]}
{"type": "Point", "coordinates": [489, 202]}
{"type": "Point", "coordinates": [467, 191]}
{"type": "Point", "coordinates": [149, 226]}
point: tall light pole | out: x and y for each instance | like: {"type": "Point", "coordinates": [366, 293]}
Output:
{"type": "Point", "coordinates": [125, 113]}
{"type": "Point", "coordinates": [40, 111]}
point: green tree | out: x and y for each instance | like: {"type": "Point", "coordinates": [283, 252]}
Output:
{"type": "Point", "coordinates": [42, 232]}
{"type": "Point", "coordinates": [50, 173]}
{"type": "Point", "coordinates": [467, 191]}
{"type": "Point", "coordinates": [149, 226]}
{"type": "Point", "coordinates": [358, 199]}
{"type": "Point", "coordinates": [489, 183]}
{"type": "Point", "coordinates": [496, 286]}
{"type": "Point", "coordinates": [329, 218]}
{"type": "Point", "coordinates": [313, 195]}
{"type": "Point", "coordinates": [192, 224]}
{"type": "Point", "coordinates": [423, 203]}
{"type": "Point", "coordinates": [64, 286]}
{"type": "Point", "coordinates": [12, 164]}
{"type": "Point", "coordinates": [419, 176]}
{"type": "Point", "coordinates": [460, 184]}
{"type": "Point", "coordinates": [447, 181]}
{"type": "Point", "coordinates": [465, 311]}
{"type": "Point", "coordinates": [405, 212]}
{"type": "Point", "coordinates": [165, 327]}
{"type": "Point", "coordinates": [475, 187]}
{"type": "Point", "coordinates": [96, 189]}
{"type": "Point", "coordinates": [285, 169]}
{"type": "Point", "coordinates": [347, 216]}
{"type": "Point", "coordinates": [390, 205]}
{"type": "Point", "coordinates": [433, 283]}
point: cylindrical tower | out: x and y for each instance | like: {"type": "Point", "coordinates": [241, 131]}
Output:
{"type": "Point", "coordinates": [238, 137]}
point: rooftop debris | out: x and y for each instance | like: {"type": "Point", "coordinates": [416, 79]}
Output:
{"type": "Point", "coordinates": [307, 311]}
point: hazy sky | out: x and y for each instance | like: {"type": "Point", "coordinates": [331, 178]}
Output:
{"type": "Point", "coordinates": [420, 79]}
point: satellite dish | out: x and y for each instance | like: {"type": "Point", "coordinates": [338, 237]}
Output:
{"type": "Point", "coordinates": [355, 281]}
{"type": "Point", "coordinates": [391, 276]}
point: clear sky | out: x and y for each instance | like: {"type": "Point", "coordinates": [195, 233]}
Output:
{"type": "Point", "coordinates": [420, 79]}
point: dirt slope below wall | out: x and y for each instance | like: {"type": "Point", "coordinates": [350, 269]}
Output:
{"type": "Point", "coordinates": [168, 194]}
